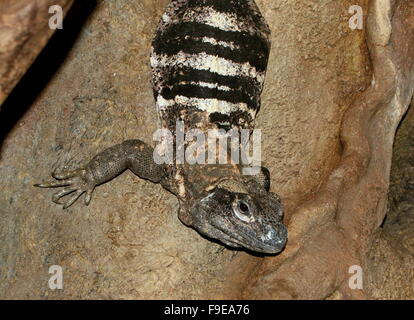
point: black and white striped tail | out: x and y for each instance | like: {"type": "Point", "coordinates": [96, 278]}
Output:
{"type": "Point", "coordinates": [209, 59]}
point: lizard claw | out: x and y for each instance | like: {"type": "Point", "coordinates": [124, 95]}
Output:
{"type": "Point", "coordinates": [74, 183]}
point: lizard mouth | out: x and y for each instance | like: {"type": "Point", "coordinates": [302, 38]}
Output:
{"type": "Point", "coordinates": [221, 235]}
{"type": "Point", "coordinates": [272, 242]}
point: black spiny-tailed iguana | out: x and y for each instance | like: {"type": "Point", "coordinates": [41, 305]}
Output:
{"type": "Point", "coordinates": [208, 60]}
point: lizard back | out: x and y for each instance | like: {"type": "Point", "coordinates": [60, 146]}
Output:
{"type": "Point", "coordinates": [209, 59]}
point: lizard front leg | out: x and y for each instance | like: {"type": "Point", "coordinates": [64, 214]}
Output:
{"type": "Point", "coordinates": [131, 154]}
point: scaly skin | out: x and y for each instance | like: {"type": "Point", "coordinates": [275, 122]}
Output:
{"type": "Point", "coordinates": [208, 59]}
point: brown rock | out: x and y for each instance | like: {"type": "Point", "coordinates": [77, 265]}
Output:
{"type": "Point", "coordinates": [24, 31]}
{"type": "Point", "coordinates": [391, 258]}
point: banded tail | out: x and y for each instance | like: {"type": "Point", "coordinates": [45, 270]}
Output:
{"type": "Point", "coordinates": [209, 59]}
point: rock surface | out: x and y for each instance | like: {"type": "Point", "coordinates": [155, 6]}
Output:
{"type": "Point", "coordinates": [24, 31]}
{"type": "Point", "coordinates": [331, 105]}
{"type": "Point", "coordinates": [391, 259]}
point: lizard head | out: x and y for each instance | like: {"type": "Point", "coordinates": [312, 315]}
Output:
{"type": "Point", "coordinates": [242, 213]}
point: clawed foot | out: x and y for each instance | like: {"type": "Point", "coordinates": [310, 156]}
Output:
{"type": "Point", "coordinates": [75, 183]}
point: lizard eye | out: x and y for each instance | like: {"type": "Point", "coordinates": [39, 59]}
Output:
{"type": "Point", "coordinates": [242, 210]}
